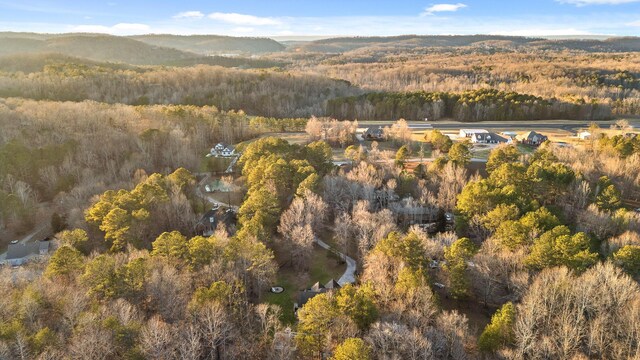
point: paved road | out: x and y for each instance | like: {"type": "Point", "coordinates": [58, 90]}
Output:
{"type": "Point", "coordinates": [568, 125]}
{"type": "Point", "coordinates": [349, 276]}
{"type": "Point", "coordinates": [410, 160]}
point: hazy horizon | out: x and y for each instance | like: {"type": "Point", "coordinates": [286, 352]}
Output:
{"type": "Point", "coordinates": [294, 19]}
{"type": "Point", "coordinates": [308, 38]}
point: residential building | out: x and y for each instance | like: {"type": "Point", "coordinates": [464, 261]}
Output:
{"type": "Point", "coordinates": [374, 133]}
{"type": "Point", "coordinates": [316, 289]}
{"type": "Point", "coordinates": [212, 218]}
{"type": "Point", "coordinates": [584, 135]}
{"type": "Point", "coordinates": [532, 138]}
{"type": "Point", "coordinates": [467, 133]}
{"type": "Point", "coordinates": [489, 138]}
{"type": "Point", "coordinates": [20, 253]}
{"type": "Point", "coordinates": [222, 149]}
{"type": "Point", "coordinates": [228, 151]}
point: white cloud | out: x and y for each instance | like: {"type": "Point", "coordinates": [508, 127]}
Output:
{"type": "Point", "coordinates": [243, 19]}
{"type": "Point", "coordinates": [131, 27]}
{"type": "Point", "coordinates": [634, 23]}
{"type": "Point", "coordinates": [242, 30]}
{"type": "Point", "coordinates": [596, 2]}
{"type": "Point", "coordinates": [189, 15]}
{"type": "Point", "coordinates": [443, 8]}
{"type": "Point", "coordinates": [117, 29]}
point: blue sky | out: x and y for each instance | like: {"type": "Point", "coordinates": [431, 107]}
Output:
{"type": "Point", "coordinates": [286, 18]}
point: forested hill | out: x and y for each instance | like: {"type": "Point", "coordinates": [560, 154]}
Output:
{"type": "Point", "coordinates": [346, 44]}
{"type": "Point", "coordinates": [35, 62]}
{"type": "Point", "coordinates": [212, 44]}
{"type": "Point", "coordinates": [29, 63]}
{"type": "Point", "coordinates": [93, 47]}
{"type": "Point", "coordinates": [472, 105]}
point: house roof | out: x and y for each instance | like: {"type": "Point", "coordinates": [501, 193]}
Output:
{"type": "Point", "coordinates": [531, 135]}
{"type": "Point", "coordinates": [43, 246]}
{"type": "Point", "coordinates": [19, 251]}
{"type": "Point", "coordinates": [227, 216]}
{"type": "Point", "coordinates": [317, 287]}
{"type": "Point", "coordinates": [489, 136]}
{"type": "Point", "coordinates": [374, 130]}
{"type": "Point", "coordinates": [305, 296]}
{"type": "Point", "coordinates": [474, 131]}
{"type": "Point", "coordinates": [332, 284]}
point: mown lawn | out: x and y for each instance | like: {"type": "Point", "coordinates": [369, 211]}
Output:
{"type": "Point", "coordinates": [324, 267]}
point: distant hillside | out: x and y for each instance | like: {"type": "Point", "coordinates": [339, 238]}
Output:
{"type": "Point", "coordinates": [93, 47]}
{"type": "Point", "coordinates": [229, 62]}
{"type": "Point", "coordinates": [33, 63]}
{"type": "Point", "coordinates": [342, 45]}
{"type": "Point", "coordinates": [626, 44]}
{"type": "Point", "coordinates": [338, 45]}
{"type": "Point", "coordinates": [213, 44]}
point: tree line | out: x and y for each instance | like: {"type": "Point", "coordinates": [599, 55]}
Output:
{"type": "Point", "coordinates": [472, 105]}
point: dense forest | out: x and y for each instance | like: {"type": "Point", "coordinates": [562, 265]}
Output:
{"type": "Point", "coordinates": [473, 105]}
{"type": "Point", "coordinates": [418, 249]}
{"type": "Point", "coordinates": [257, 92]}
{"type": "Point", "coordinates": [69, 152]}
{"type": "Point", "coordinates": [564, 73]}
{"type": "Point", "coordinates": [610, 79]}
{"type": "Point", "coordinates": [543, 241]}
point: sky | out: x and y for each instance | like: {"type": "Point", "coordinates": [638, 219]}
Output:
{"type": "Point", "coordinates": [325, 18]}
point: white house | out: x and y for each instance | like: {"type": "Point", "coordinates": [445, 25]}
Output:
{"type": "Point", "coordinates": [228, 151]}
{"type": "Point", "coordinates": [467, 133]}
{"type": "Point", "coordinates": [489, 138]}
{"type": "Point", "coordinates": [584, 135]}
{"type": "Point", "coordinates": [222, 149]}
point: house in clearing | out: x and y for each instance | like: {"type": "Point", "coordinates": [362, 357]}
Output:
{"type": "Point", "coordinates": [467, 133]}
{"type": "Point", "coordinates": [222, 149]}
{"type": "Point", "coordinates": [20, 253]}
{"type": "Point", "coordinates": [215, 217]}
{"type": "Point", "coordinates": [228, 151]}
{"type": "Point", "coordinates": [489, 138]}
{"type": "Point", "coordinates": [316, 289]}
{"type": "Point", "coordinates": [584, 135]}
{"type": "Point", "coordinates": [532, 138]}
{"type": "Point", "coordinates": [374, 133]}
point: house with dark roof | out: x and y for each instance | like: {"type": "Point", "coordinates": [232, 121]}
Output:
{"type": "Point", "coordinates": [212, 218]}
{"type": "Point", "coordinates": [532, 138]}
{"type": "Point", "coordinates": [373, 133]}
{"type": "Point", "coordinates": [489, 138]}
{"type": "Point", "coordinates": [20, 253]}
{"type": "Point", "coordinates": [317, 288]}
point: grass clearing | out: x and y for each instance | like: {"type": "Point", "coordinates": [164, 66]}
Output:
{"type": "Point", "coordinates": [324, 266]}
